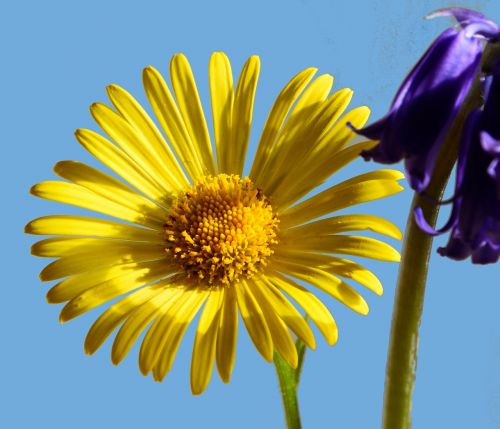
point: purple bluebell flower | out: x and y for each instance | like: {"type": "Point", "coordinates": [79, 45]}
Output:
{"type": "Point", "coordinates": [475, 216]}
{"type": "Point", "coordinates": [430, 97]}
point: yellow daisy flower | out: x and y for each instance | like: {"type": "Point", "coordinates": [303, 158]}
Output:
{"type": "Point", "coordinates": [198, 234]}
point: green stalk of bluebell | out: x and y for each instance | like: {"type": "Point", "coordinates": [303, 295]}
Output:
{"type": "Point", "coordinates": [410, 291]}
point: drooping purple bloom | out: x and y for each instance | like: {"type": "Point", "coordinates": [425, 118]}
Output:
{"type": "Point", "coordinates": [475, 217]}
{"type": "Point", "coordinates": [429, 98]}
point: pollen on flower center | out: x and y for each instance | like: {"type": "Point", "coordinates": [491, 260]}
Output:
{"type": "Point", "coordinates": [222, 229]}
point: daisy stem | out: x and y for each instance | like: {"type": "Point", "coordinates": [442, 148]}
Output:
{"type": "Point", "coordinates": [301, 351]}
{"type": "Point", "coordinates": [410, 291]}
{"type": "Point", "coordinates": [289, 378]}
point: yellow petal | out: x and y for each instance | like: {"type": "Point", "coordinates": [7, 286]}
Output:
{"type": "Point", "coordinates": [140, 319]}
{"type": "Point", "coordinates": [188, 101]}
{"type": "Point", "coordinates": [69, 193]}
{"type": "Point", "coordinates": [339, 266]}
{"type": "Point", "coordinates": [359, 189]}
{"type": "Point", "coordinates": [325, 158]}
{"type": "Point", "coordinates": [58, 246]}
{"type": "Point", "coordinates": [340, 134]}
{"type": "Point", "coordinates": [180, 320]}
{"type": "Point", "coordinates": [242, 114]}
{"type": "Point", "coordinates": [286, 311]}
{"type": "Point", "coordinates": [170, 326]}
{"type": "Point", "coordinates": [91, 227]}
{"type": "Point", "coordinates": [163, 168]}
{"type": "Point", "coordinates": [136, 116]}
{"type": "Point", "coordinates": [314, 308]}
{"type": "Point", "coordinates": [205, 342]}
{"type": "Point", "coordinates": [313, 95]}
{"type": "Point", "coordinates": [108, 321]}
{"type": "Point", "coordinates": [222, 97]}
{"type": "Point", "coordinates": [327, 283]}
{"type": "Point", "coordinates": [123, 165]}
{"type": "Point", "coordinates": [73, 286]}
{"type": "Point", "coordinates": [255, 321]}
{"type": "Point", "coordinates": [277, 116]}
{"type": "Point", "coordinates": [315, 170]}
{"type": "Point", "coordinates": [296, 132]}
{"type": "Point", "coordinates": [102, 253]}
{"type": "Point", "coordinates": [333, 108]}
{"type": "Point", "coordinates": [349, 245]}
{"type": "Point", "coordinates": [112, 288]}
{"type": "Point", "coordinates": [297, 146]}
{"type": "Point", "coordinates": [280, 335]}
{"type": "Point", "coordinates": [344, 223]}
{"type": "Point", "coordinates": [335, 138]}
{"type": "Point", "coordinates": [318, 123]}
{"type": "Point", "coordinates": [227, 335]}
{"type": "Point", "coordinates": [172, 123]}
{"type": "Point", "coordinates": [108, 187]}
{"type": "Point", "coordinates": [356, 272]}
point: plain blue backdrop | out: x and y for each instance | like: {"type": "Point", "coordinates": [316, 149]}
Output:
{"type": "Point", "coordinates": [56, 59]}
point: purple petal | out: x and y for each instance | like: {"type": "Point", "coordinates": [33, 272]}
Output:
{"type": "Point", "coordinates": [490, 144]}
{"type": "Point", "coordinates": [374, 131]}
{"type": "Point", "coordinates": [425, 106]}
{"type": "Point", "coordinates": [473, 22]}
{"type": "Point", "coordinates": [424, 225]}
{"type": "Point", "coordinates": [461, 14]}
{"type": "Point", "coordinates": [485, 254]}
{"type": "Point", "coordinates": [494, 172]}
{"type": "Point", "coordinates": [455, 249]}
{"type": "Point", "coordinates": [469, 132]}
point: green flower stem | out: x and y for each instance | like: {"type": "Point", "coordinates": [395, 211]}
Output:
{"type": "Point", "coordinates": [289, 381]}
{"type": "Point", "coordinates": [410, 291]}
{"type": "Point", "coordinates": [409, 301]}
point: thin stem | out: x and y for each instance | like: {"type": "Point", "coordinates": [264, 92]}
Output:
{"type": "Point", "coordinates": [288, 388]}
{"type": "Point", "coordinates": [301, 351]}
{"type": "Point", "coordinates": [409, 301]}
{"type": "Point", "coordinates": [289, 378]}
{"type": "Point", "coordinates": [410, 291]}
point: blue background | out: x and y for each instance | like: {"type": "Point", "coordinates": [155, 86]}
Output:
{"type": "Point", "coordinates": [57, 58]}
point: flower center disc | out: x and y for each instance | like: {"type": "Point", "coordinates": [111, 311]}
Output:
{"type": "Point", "coordinates": [222, 229]}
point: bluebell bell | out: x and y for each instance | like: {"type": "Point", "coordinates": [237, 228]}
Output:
{"type": "Point", "coordinates": [475, 217]}
{"type": "Point", "coordinates": [430, 97]}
